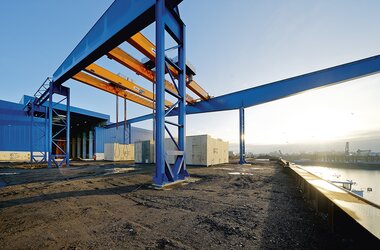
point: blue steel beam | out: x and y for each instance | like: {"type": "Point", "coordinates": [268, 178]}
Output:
{"type": "Point", "coordinates": [288, 87]}
{"type": "Point", "coordinates": [122, 19]}
{"type": "Point", "coordinates": [174, 23]}
{"type": "Point", "coordinates": [68, 149]}
{"type": "Point", "coordinates": [140, 118]}
{"type": "Point", "coordinates": [283, 88]}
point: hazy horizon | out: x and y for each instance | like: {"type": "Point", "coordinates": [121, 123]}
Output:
{"type": "Point", "coordinates": [364, 143]}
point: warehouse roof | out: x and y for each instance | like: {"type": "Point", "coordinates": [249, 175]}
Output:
{"type": "Point", "coordinates": [25, 99]}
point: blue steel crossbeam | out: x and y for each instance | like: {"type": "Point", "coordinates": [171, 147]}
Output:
{"type": "Point", "coordinates": [283, 88]}
{"type": "Point", "coordinates": [122, 19]}
{"type": "Point", "coordinates": [288, 87]}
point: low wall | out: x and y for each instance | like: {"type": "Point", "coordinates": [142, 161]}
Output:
{"type": "Point", "coordinates": [343, 210]}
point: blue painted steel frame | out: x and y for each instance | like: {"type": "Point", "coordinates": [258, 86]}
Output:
{"type": "Point", "coordinates": [123, 19]}
{"type": "Point", "coordinates": [65, 123]}
{"type": "Point", "coordinates": [126, 17]}
{"type": "Point", "coordinates": [68, 128]}
{"type": "Point", "coordinates": [50, 109]}
{"type": "Point", "coordinates": [288, 87]}
{"type": "Point", "coordinates": [38, 156]}
{"type": "Point", "coordinates": [165, 172]}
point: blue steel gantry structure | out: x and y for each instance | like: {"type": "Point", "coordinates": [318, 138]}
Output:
{"type": "Point", "coordinates": [122, 22]}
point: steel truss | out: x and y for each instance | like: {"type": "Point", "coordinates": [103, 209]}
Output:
{"type": "Point", "coordinates": [39, 131]}
{"type": "Point", "coordinates": [38, 134]}
{"type": "Point", "coordinates": [55, 131]}
{"type": "Point", "coordinates": [168, 20]}
{"type": "Point", "coordinates": [59, 127]}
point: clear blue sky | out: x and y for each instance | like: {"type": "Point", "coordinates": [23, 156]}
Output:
{"type": "Point", "coordinates": [234, 45]}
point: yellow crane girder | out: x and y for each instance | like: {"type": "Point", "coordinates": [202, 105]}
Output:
{"type": "Point", "coordinates": [133, 64]}
{"type": "Point", "coordinates": [141, 43]}
{"type": "Point", "coordinates": [102, 85]}
{"type": "Point", "coordinates": [121, 82]}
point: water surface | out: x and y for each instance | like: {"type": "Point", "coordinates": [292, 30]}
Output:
{"type": "Point", "coordinates": [364, 179]}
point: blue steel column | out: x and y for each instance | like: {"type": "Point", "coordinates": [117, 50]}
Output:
{"type": "Point", "coordinates": [242, 136]}
{"type": "Point", "coordinates": [182, 103]}
{"type": "Point", "coordinates": [129, 133]}
{"type": "Point", "coordinates": [160, 93]}
{"type": "Point", "coordinates": [31, 133]}
{"type": "Point", "coordinates": [68, 128]}
{"type": "Point", "coordinates": [46, 134]}
{"type": "Point", "coordinates": [50, 136]}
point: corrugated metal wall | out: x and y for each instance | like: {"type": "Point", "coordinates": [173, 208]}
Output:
{"type": "Point", "coordinates": [140, 134]}
{"type": "Point", "coordinates": [116, 135]}
{"type": "Point", "coordinates": [113, 135]}
{"type": "Point", "coordinates": [15, 129]}
{"type": "Point", "coordinates": [99, 140]}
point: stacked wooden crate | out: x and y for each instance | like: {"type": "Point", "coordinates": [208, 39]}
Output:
{"type": "Point", "coordinates": [119, 152]}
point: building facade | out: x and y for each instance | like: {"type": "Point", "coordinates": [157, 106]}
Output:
{"type": "Point", "coordinates": [20, 134]}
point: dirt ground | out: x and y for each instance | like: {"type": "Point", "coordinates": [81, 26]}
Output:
{"type": "Point", "coordinates": [113, 207]}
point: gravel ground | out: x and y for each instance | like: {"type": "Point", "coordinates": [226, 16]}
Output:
{"type": "Point", "coordinates": [113, 207]}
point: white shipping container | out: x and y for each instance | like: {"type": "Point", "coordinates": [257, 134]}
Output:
{"type": "Point", "coordinates": [201, 150]}
{"type": "Point", "coordinates": [205, 150]}
{"type": "Point", "coordinates": [144, 151]}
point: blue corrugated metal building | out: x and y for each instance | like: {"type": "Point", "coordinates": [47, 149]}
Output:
{"type": "Point", "coordinates": [89, 132]}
